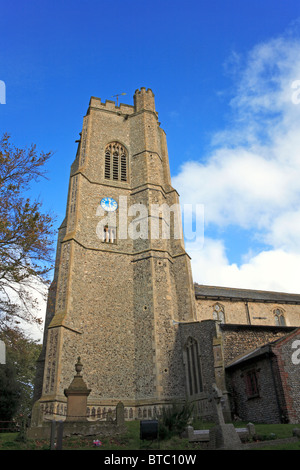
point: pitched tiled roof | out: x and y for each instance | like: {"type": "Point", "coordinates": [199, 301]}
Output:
{"type": "Point", "coordinates": [250, 355]}
{"type": "Point", "coordinates": [202, 292]}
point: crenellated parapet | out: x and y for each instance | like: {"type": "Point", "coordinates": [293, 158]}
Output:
{"type": "Point", "coordinates": [144, 100]}
{"type": "Point", "coordinates": [109, 105]}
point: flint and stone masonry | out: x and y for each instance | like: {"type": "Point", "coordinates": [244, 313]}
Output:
{"type": "Point", "coordinates": [117, 305]}
{"type": "Point", "coordinates": [126, 305]}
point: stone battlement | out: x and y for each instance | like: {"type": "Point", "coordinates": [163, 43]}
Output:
{"type": "Point", "coordinates": [110, 105]}
{"type": "Point", "coordinates": [143, 100]}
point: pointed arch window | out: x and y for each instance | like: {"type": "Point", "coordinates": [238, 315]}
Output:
{"type": "Point", "coordinates": [219, 313]}
{"type": "Point", "coordinates": [193, 367]}
{"type": "Point", "coordinates": [116, 162]}
{"type": "Point", "coordinates": [251, 382]}
{"type": "Point", "coordinates": [279, 317]}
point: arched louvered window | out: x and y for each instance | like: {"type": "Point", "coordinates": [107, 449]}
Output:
{"type": "Point", "coordinates": [116, 162]}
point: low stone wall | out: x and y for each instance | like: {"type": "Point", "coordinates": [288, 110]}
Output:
{"type": "Point", "coordinates": [82, 428]}
{"type": "Point", "coordinates": [41, 428]}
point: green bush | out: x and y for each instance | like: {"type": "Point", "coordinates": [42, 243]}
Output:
{"type": "Point", "coordinates": [174, 419]}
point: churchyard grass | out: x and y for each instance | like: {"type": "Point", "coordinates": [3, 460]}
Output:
{"type": "Point", "coordinates": [131, 440]}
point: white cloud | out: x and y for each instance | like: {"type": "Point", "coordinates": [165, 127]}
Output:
{"type": "Point", "coordinates": [251, 179]}
{"type": "Point", "coordinates": [275, 270]}
{"type": "Point", "coordinates": [30, 319]}
{"type": "Point", "coordinates": [236, 187]}
{"type": "Point", "coordinates": [284, 231]}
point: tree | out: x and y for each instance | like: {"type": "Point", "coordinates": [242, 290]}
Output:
{"type": "Point", "coordinates": [9, 392]}
{"type": "Point", "coordinates": [26, 233]}
{"type": "Point", "coordinates": [17, 377]}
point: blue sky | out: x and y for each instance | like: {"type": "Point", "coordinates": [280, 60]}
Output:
{"type": "Point", "coordinates": [221, 72]}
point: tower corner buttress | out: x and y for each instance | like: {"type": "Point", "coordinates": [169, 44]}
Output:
{"type": "Point", "coordinates": [144, 100]}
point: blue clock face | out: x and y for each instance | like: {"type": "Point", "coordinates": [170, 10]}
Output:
{"type": "Point", "coordinates": [108, 204]}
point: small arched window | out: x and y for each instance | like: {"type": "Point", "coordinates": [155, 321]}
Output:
{"type": "Point", "coordinates": [115, 162]}
{"type": "Point", "coordinates": [218, 313]}
{"type": "Point", "coordinates": [279, 317]}
{"type": "Point", "coordinates": [109, 234]}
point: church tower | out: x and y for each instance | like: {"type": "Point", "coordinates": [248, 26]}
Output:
{"type": "Point", "coordinates": [122, 279]}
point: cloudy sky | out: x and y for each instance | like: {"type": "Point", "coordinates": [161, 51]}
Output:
{"type": "Point", "coordinates": [249, 181]}
{"type": "Point", "coordinates": [226, 79]}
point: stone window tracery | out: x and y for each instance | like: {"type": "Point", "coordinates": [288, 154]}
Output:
{"type": "Point", "coordinates": [279, 317]}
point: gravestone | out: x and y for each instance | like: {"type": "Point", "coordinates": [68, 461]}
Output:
{"type": "Point", "coordinates": [77, 422]}
{"type": "Point", "coordinates": [77, 394]}
{"type": "Point", "coordinates": [222, 436]}
{"type": "Point", "coordinates": [216, 399]}
{"type": "Point", "coordinates": [120, 414]}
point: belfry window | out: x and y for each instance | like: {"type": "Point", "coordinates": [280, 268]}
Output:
{"type": "Point", "coordinates": [218, 313]}
{"type": "Point", "coordinates": [115, 162]}
{"type": "Point", "coordinates": [279, 317]}
{"type": "Point", "coordinates": [193, 367]}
